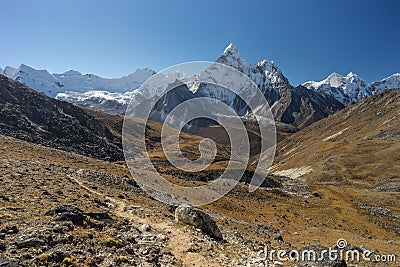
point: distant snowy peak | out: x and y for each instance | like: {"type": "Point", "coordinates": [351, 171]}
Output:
{"type": "Point", "coordinates": [390, 82]}
{"type": "Point", "coordinates": [350, 88]}
{"type": "Point", "coordinates": [98, 96]}
{"type": "Point", "coordinates": [114, 103]}
{"type": "Point", "coordinates": [232, 58]}
{"type": "Point", "coordinates": [53, 84]}
{"type": "Point", "coordinates": [40, 80]}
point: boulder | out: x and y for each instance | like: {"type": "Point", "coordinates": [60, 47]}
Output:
{"type": "Point", "coordinates": [67, 213]}
{"type": "Point", "coordinates": [193, 216]}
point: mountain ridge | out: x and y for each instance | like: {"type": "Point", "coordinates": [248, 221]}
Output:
{"type": "Point", "coordinates": [351, 88]}
{"type": "Point", "coordinates": [297, 106]}
{"type": "Point", "coordinates": [72, 80]}
{"type": "Point", "coordinates": [113, 95]}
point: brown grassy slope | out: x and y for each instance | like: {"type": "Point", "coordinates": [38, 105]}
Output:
{"type": "Point", "coordinates": [360, 142]}
{"type": "Point", "coordinates": [355, 160]}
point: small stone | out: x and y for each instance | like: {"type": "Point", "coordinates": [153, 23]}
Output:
{"type": "Point", "coordinates": [145, 228]}
{"type": "Point", "coordinates": [11, 230]}
{"type": "Point", "coordinates": [278, 237]}
{"type": "Point", "coordinates": [3, 246]}
{"type": "Point", "coordinates": [316, 194]}
{"type": "Point", "coordinates": [4, 197]}
{"type": "Point", "coordinates": [30, 242]}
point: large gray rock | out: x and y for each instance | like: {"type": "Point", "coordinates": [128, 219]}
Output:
{"type": "Point", "coordinates": [199, 219]}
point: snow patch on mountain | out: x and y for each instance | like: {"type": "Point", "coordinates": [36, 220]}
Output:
{"type": "Point", "coordinates": [95, 97]}
{"type": "Point", "coordinates": [40, 80]}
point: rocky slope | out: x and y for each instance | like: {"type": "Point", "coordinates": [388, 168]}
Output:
{"type": "Point", "coordinates": [351, 88]}
{"type": "Point", "coordinates": [355, 150]}
{"type": "Point", "coordinates": [34, 117]}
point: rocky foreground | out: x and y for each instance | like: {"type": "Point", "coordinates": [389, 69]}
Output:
{"type": "Point", "coordinates": [63, 209]}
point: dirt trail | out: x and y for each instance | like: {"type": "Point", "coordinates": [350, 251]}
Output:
{"type": "Point", "coordinates": [179, 241]}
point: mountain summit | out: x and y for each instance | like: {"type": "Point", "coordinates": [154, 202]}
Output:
{"type": "Point", "coordinates": [265, 74]}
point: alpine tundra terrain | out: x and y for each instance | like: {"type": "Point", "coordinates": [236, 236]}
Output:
{"type": "Point", "coordinates": [64, 203]}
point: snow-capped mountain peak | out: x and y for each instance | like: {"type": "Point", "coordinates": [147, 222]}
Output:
{"type": "Point", "coordinates": [334, 79]}
{"type": "Point", "coordinates": [232, 58]}
{"type": "Point", "coordinates": [231, 49]}
{"type": "Point", "coordinates": [265, 74]}
{"type": "Point", "coordinates": [351, 74]}
{"type": "Point", "coordinates": [74, 81]}
{"type": "Point", "coordinates": [350, 88]}
{"type": "Point", "coordinates": [390, 82]}
{"type": "Point", "coordinates": [10, 72]}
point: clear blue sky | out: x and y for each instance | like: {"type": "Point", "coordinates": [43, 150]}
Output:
{"type": "Point", "coordinates": [307, 39]}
